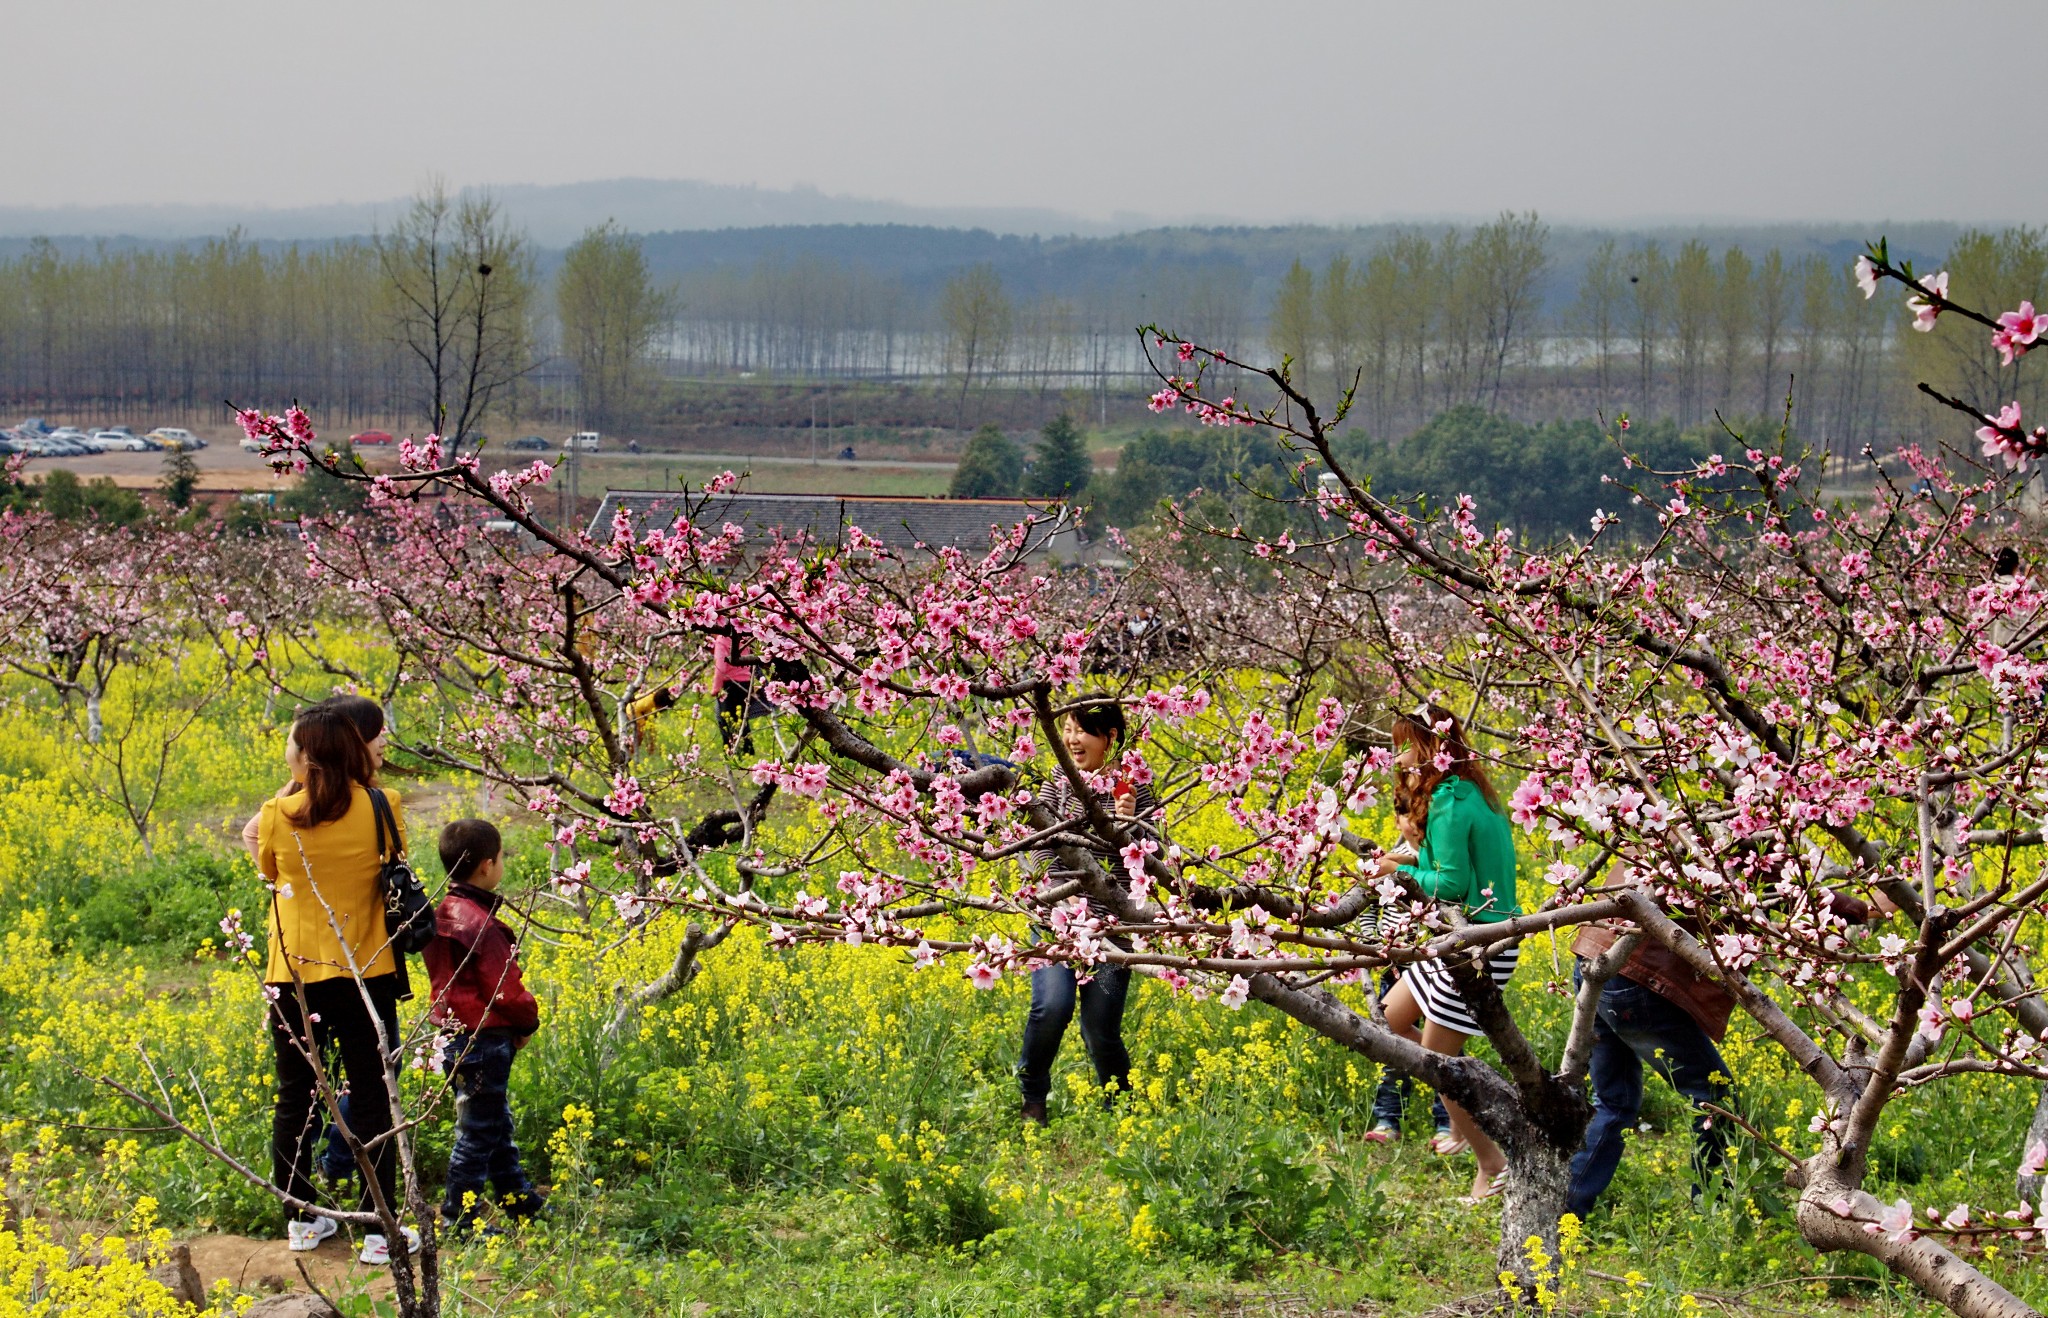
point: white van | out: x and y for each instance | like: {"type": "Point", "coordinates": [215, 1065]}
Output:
{"type": "Point", "coordinates": [583, 441]}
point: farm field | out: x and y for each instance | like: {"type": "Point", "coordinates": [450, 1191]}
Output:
{"type": "Point", "coordinates": [829, 1130]}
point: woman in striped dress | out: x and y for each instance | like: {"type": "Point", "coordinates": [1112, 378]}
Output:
{"type": "Point", "coordinates": [1467, 857]}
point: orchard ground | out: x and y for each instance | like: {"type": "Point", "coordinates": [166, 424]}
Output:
{"type": "Point", "coordinates": [828, 1130]}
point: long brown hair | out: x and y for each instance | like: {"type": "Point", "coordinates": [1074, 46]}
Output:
{"type": "Point", "coordinates": [1420, 731]}
{"type": "Point", "coordinates": [337, 762]}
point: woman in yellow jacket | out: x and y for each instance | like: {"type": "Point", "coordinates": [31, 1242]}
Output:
{"type": "Point", "coordinates": [317, 845]}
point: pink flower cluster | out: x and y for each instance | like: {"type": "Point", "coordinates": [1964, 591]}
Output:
{"type": "Point", "coordinates": [2003, 438]}
{"type": "Point", "coordinates": [2018, 331]}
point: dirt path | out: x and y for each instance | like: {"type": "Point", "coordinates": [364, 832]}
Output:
{"type": "Point", "coordinates": [267, 1265]}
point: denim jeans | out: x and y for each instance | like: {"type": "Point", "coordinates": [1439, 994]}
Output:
{"type": "Point", "coordinates": [1391, 1097]}
{"type": "Point", "coordinates": [1053, 993]}
{"type": "Point", "coordinates": [336, 1162]}
{"type": "Point", "coordinates": [1635, 1025]}
{"type": "Point", "coordinates": [485, 1152]}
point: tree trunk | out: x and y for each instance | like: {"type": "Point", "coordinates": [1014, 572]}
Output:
{"type": "Point", "coordinates": [93, 724]}
{"type": "Point", "coordinates": [2031, 1188]}
{"type": "Point", "coordinates": [1922, 1260]}
{"type": "Point", "coordinates": [1539, 1174]}
{"type": "Point", "coordinates": [1538, 1133]}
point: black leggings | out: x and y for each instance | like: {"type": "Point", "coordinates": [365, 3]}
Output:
{"type": "Point", "coordinates": [344, 1024]}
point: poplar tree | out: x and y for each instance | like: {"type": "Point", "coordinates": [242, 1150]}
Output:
{"type": "Point", "coordinates": [612, 316]}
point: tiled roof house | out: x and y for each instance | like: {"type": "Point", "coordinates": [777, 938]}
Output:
{"type": "Point", "coordinates": [900, 522]}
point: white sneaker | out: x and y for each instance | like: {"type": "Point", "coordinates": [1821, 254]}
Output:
{"type": "Point", "coordinates": [302, 1236]}
{"type": "Point", "coordinates": [377, 1250]}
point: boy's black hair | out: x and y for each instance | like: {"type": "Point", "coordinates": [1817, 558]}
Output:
{"type": "Point", "coordinates": [1099, 716]}
{"type": "Point", "coordinates": [466, 844]}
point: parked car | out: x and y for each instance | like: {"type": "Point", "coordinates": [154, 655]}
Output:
{"type": "Point", "coordinates": [35, 425]}
{"type": "Point", "coordinates": [52, 446]}
{"type": "Point", "coordinates": [251, 445]}
{"type": "Point", "coordinates": [583, 441]}
{"type": "Point", "coordinates": [173, 438]}
{"type": "Point", "coordinates": [530, 443]}
{"type": "Point", "coordinates": [371, 437]}
{"type": "Point", "coordinates": [120, 440]}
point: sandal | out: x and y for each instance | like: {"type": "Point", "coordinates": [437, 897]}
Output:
{"type": "Point", "coordinates": [1384, 1133]}
{"type": "Point", "coordinates": [1496, 1184]}
{"type": "Point", "coordinates": [1448, 1144]}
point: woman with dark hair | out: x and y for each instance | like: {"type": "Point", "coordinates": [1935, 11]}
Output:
{"type": "Point", "coordinates": [1467, 857]}
{"type": "Point", "coordinates": [368, 717]}
{"type": "Point", "coordinates": [319, 846]}
{"type": "Point", "coordinates": [1091, 732]}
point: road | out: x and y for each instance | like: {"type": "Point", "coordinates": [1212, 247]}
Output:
{"type": "Point", "coordinates": [223, 465]}
{"type": "Point", "coordinates": [738, 461]}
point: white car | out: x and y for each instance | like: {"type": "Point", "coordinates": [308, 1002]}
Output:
{"type": "Point", "coordinates": [583, 441]}
{"type": "Point", "coordinates": [119, 441]}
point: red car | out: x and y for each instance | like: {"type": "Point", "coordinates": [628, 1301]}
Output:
{"type": "Point", "coordinates": [371, 437]}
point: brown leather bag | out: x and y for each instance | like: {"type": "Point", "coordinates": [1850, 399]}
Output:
{"type": "Point", "coordinates": [1659, 969]}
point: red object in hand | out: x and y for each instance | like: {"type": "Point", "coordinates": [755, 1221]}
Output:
{"type": "Point", "coordinates": [1125, 795]}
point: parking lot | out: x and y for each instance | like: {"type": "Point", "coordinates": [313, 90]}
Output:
{"type": "Point", "coordinates": [222, 466]}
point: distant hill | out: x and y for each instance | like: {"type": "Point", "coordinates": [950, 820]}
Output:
{"type": "Point", "coordinates": [554, 214]}
{"type": "Point", "coordinates": [1135, 270]}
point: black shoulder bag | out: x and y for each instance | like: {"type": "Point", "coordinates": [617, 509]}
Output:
{"type": "Point", "coordinates": [408, 915]}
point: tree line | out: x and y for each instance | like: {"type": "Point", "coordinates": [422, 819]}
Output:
{"type": "Point", "coordinates": [1422, 326]}
{"type": "Point", "coordinates": [440, 324]}
{"type": "Point", "coordinates": [403, 326]}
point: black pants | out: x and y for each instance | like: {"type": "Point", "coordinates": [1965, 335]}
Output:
{"type": "Point", "coordinates": [485, 1153]}
{"type": "Point", "coordinates": [736, 710]}
{"type": "Point", "coordinates": [1053, 993]}
{"type": "Point", "coordinates": [344, 1025]}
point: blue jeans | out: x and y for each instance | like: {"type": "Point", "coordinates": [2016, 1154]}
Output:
{"type": "Point", "coordinates": [1635, 1025]}
{"type": "Point", "coordinates": [1053, 994]}
{"type": "Point", "coordinates": [1392, 1095]}
{"type": "Point", "coordinates": [336, 1162]}
{"type": "Point", "coordinates": [485, 1151]}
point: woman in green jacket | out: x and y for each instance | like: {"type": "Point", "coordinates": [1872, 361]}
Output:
{"type": "Point", "coordinates": [1467, 858]}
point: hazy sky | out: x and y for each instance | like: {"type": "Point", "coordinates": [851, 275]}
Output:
{"type": "Point", "coordinates": [1267, 110]}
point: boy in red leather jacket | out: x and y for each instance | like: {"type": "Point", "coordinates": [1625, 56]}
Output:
{"type": "Point", "coordinates": [479, 995]}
